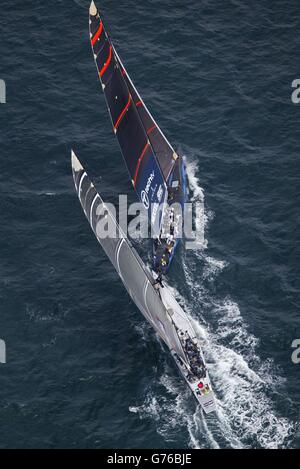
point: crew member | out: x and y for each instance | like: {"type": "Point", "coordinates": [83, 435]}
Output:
{"type": "Point", "coordinates": [158, 282]}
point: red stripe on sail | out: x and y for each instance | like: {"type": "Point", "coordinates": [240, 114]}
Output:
{"type": "Point", "coordinates": [97, 35]}
{"type": "Point", "coordinates": [103, 69]}
{"type": "Point", "coordinates": [139, 163]}
{"type": "Point", "coordinates": [151, 129]}
{"type": "Point", "coordinates": [122, 113]}
{"type": "Point", "coordinates": [139, 103]}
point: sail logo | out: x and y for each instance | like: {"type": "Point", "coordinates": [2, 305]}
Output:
{"type": "Point", "coordinates": [145, 199]}
{"type": "Point", "coordinates": [296, 352]}
{"type": "Point", "coordinates": [2, 92]}
{"type": "Point", "coordinates": [149, 182]}
{"type": "Point", "coordinates": [296, 93]}
{"type": "Point", "coordinates": [144, 193]}
{"type": "Point", "coordinates": [2, 351]}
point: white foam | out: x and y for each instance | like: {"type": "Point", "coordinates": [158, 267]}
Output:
{"type": "Point", "coordinates": [149, 408]}
{"type": "Point", "coordinates": [197, 195]}
{"type": "Point", "coordinates": [194, 183]}
{"type": "Point", "coordinates": [212, 267]}
{"type": "Point", "coordinates": [246, 414]}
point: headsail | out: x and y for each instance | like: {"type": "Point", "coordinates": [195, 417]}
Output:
{"type": "Point", "coordinates": [130, 267]}
{"type": "Point", "coordinates": [144, 169]}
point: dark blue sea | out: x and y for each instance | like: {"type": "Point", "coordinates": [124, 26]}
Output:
{"type": "Point", "coordinates": [84, 369]}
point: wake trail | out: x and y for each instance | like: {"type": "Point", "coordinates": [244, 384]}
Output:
{"type": "Point", "coordinates": [245, 386]}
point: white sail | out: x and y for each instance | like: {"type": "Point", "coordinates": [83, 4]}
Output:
{"type": "Point", "coordinates": [130, 267]}
{"type": "Point", "coordinates": [158, 306]}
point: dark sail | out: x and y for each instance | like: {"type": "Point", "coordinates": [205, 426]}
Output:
{"type": "Point", "coordinates": [164, 152]}
{"type": "Point", "coordinates": [147, 153]}
{"type": "Point", "coordinates": [136, 147]}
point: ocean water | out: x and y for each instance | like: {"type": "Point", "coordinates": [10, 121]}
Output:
{"type": "Point", "coordinates": [83, 367]}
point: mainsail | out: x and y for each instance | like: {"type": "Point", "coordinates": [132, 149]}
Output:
{"type": "Point", "coordinates": [163, 150]}
{"type": "Point", "coordinates": [130, 267]}
{"type": "Point", "coordinates": [148, 155]}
